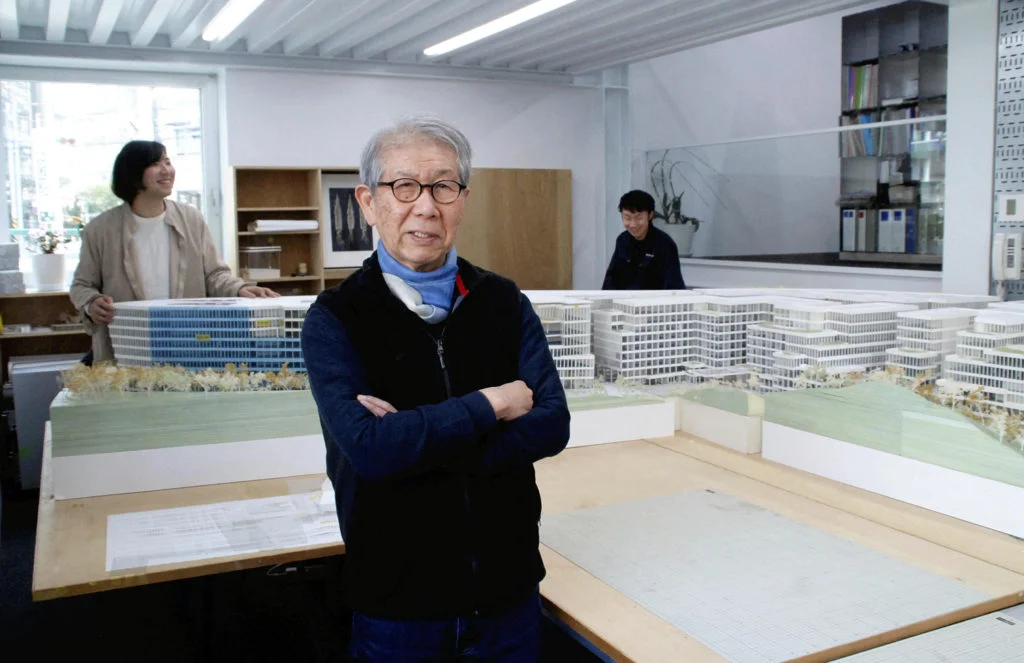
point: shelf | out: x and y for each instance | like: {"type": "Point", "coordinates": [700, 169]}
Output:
{"type": "Point", "coordinates": [284, 279]}
{"type": "Point", "coordinates": [299, 208]}
{"type": "Point", "coordinates": [43, 334]}
{"type": "Point", "coordinates": [897, 258]}
{"type": "Point", "coordinates": [940, 49]}
{"type": "Point", "coordinates": [34, 293]}
{"type": "Point", "coordinates": [250, 233]}
{"type": "Point", "coordinates": [861, 63]}
{"type": "Point", "coordinates": [338, 273]}
{"type": "Point", "coordinates": [915, 101]}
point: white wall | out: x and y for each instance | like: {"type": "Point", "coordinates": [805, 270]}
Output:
{"type": "Point", "coordinates": [323, 120]}
{"type": "Point", "coordinates": [780, 194]}
{"type": "Point", "coordinates": [970, 145]}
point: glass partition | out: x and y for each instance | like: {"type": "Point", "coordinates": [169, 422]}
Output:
{"type": "Point", "coordinates": [869, 192]}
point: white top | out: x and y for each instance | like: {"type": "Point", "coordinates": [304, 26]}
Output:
{"type": "Point", "coordinates": [153, 247]}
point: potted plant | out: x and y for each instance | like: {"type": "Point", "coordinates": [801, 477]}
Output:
{"type": "Point", "coordinates": [47, 264]}
{"type": "Point", "coordinates": [669, 204]}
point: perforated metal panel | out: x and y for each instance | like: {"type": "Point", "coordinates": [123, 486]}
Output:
{"type": "Point", "coordinates": [1009, 143]}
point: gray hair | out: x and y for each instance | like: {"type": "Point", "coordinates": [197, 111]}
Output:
{"type": "Point", "coordinates": [420, 127]}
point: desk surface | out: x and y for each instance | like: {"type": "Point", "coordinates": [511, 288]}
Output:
{"type": "Point", "coordinates": [71, 539]}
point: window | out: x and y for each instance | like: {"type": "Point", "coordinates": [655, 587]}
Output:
{"type": "Point", "coordinates": [61, 131]}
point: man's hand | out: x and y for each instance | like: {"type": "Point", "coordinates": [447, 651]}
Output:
{"type": "Point", "coordinates": [256, 291]}
{"type": "Point", "coordinates": [510, 401]}
{"type": "Point", "coordinates": [377, 406]}
{"type": "Point", "coordinates": [101, 310]}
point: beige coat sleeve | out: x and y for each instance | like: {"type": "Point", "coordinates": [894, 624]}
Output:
{"type": "Point", "coordinates": [220, 282]}
{"type": "Point", "coordinates": [88, 275]}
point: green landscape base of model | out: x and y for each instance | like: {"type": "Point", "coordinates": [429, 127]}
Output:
{"type": "Point", "coordinates": [729, 399]}
{"type": "Point", "coordinates": [893, 419]}
{"type": "Point", "coordinates": [581, 402]}
{"type": "Point", "coordinates": [133, 421]}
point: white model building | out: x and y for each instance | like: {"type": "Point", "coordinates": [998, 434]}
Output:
{"type": "Point", "coordinates": [644, 339]}
{"type": "Point", "coordinates": [647, 338]}
{"type": "Point", "coordinates": [925, 337]}
{"type": "Point", "coordinates": [922, 300]}
{"type": "Point", "coordinates": [835, 338]}
{"type": "Point", "coordinates": [990, 356]}
{"type": "Point", "coordinates": [671, 338]}
{"type": "Point", "coordinates": [263, 334]}
{"type": "Point", "coordinates": [566, 323]}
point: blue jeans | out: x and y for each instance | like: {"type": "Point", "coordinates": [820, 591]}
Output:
{"type": "Point", "coordinates": [511, 637]}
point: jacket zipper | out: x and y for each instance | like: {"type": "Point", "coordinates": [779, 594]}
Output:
{"type": "Point", "coordinates": [465, 480]}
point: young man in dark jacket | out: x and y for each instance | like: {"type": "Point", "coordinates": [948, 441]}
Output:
{"type": "Point", "coordinates": [436, 392]}
{"type": "Point", "coordinates": [645, 257]}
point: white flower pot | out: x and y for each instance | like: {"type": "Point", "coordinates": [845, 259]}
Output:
{"type": "Point", "coordinates": [49, 271]}
{"type": "Point", "coordinates": [681, 234]}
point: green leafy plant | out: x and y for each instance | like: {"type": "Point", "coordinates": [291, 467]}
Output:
{"type": "Point", "coordinates": [47, 240]}
{"type": "Point", "coordinates": [668, 201]}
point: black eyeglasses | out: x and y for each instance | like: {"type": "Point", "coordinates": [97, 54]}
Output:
{"type": "Point", "coordinates": [407, 190]}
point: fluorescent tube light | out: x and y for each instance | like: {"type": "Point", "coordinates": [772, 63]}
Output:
{"type": "Point", "coordinates": [228, 18]}
{"type": "Point", "coordinates": [527, 13]}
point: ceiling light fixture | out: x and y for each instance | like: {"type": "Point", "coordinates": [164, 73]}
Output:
{"type": "Point", "coordinates": [527, 13]}
{"type": "Point", "coordinates": [228, 18]}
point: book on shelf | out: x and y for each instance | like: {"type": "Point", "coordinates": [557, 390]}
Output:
{"type": "Point", "coordinates": [283, 225]}
{"type": "Point", "coordinates": [861, 143]}
{"type": "Point", "coordinates": [860, 86]}
{"type": "Point", "coordinates": [896, 139]}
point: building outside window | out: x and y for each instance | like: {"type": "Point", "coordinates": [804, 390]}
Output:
{"type": "Point", "coordinates": [59, 141]}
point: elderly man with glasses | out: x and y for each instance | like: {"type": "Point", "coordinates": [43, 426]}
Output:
{"type": "Point", "coordinates": [437, 393]}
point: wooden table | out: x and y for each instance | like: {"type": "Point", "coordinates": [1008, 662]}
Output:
{"type": "Point", "coordinates": [71, 539]}
{"type": "Point", "coordinates": [71, 535]}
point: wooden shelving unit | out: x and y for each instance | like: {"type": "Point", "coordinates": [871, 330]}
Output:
{"type": "Point", "coordinates": [281, 193]}
{"type": "Point", "coordinates": [287, 279]}
{"type": "Point", "coordinates": [39, 309]}
{"type": "Point", "coordinates": [499, 230]}
{"type": "Point", "coordinates": [334, 276]}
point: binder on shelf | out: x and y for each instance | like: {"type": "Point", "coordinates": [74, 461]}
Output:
{"type": "Point", "coordinates": [885, 230]}
{"type": "Point", "coordinates": [910, 236]}
{"type": "Point", "coordinates": [867, 230]}
{"type": "Point", "coordinates": [849, 230]}
{"type": "Point", "coordinates": [898, 231]}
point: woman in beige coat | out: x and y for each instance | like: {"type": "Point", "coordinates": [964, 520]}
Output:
{"type": "Point", "coordinates": [147, 248]}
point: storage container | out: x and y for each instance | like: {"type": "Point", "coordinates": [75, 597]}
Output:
{"type": "Point", "coordinates": [260, 262]}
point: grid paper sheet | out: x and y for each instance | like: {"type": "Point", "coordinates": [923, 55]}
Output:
{"type": "Point", "coordinates": [995, 638]}
{"type": "Point", "coordinates": [749, 583]}
{"type": "Point", "coordinates": [184, 534]}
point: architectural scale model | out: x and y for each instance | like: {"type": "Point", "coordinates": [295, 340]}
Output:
{"type": "Point", "coordinates": [566, 323]}
{"type": "Point", "coordinates": [990, 356]}
{"type": "Point", "coordinates": [924, 338]}
{"type": "Point", "coordinates": [673, 338]}
{"type": "Point", "coordinates": [776, 339]}
{"type": "Point", "coordinates": [263, 334]}
{"type": "Point", "coordinates": [759, 340]}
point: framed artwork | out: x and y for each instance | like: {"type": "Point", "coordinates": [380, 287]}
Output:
{"type": "Point", "coordinates": [347, 239]}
